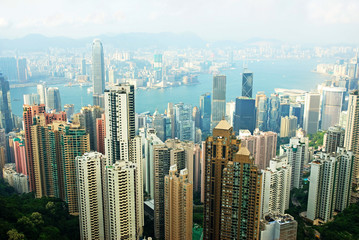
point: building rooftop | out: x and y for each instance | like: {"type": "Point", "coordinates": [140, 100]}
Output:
{"type": "Point", "coordinates": [224, 125]}
{"type": "Point", "coordinates": [243, 151]}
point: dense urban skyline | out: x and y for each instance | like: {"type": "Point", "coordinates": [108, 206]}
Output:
{"type": "Point", "coordinates": [164, 136]}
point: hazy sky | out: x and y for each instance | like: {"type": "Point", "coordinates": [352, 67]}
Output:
{"type": "Point", "coordinates": [301, 21]}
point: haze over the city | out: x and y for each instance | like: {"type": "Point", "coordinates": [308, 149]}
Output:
{"type": "Point", "coordinates": [316, 21]}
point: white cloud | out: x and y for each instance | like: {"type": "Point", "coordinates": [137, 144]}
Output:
{"type": "Point", "coordinates": [4, 23]}
{"type": "Point", "coordinates": [334, 12]}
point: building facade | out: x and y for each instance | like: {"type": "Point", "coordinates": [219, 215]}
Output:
{"type": "Point", "coordinates": [311, 113]}
{"type": "Point", "coordinates": [218, 100]}
{"type": "Point", "coordinates": [232, 188]}
{"type": "Point", "coordinates": [330, 184]}
{"type": "Point", "coordinates": [178, 205]}
{"type": "Point", "coordinates": [89, 172]}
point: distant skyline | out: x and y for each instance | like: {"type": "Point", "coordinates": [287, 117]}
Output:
{"type": "Point", "coordinates": [295, 21]}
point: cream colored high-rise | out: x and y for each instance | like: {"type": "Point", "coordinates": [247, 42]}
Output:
{"type": "Point", "coordinates": [121, 207]}
{"type": "Point", "coordinates": [124, 175]}
{"type": "Point", "coordinates": [288, 126]}
{"type": "Point", "coordinates": [276, 182]}
{"type": "Point", "coordinates": [89, 184]}
{"type": "Point", "coordinates": [178, 205]}
{"type": "Point", "coordinates": [172, 152]}
{"type": "Point", "coordinates": [351, 141]}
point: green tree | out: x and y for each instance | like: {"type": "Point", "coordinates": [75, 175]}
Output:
{"type": "Point", "coordinates": [15, 235]}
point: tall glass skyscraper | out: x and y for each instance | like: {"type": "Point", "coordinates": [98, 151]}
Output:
{"type": "Point", "coordinates": [5, 106]}
{"type": "Point", "coordinates": [274, 113]}
{"type": "Point", "coordinates": [205, 109]}
{"type": "Point", "coordinates": [245, 114]}
{"type": "Point", "coordinates": [219, 99]}
{"type": "Point", "coordinates": [53, 99]}
{"type": "Point", "coordinates": [247, 83]}
{"type": "Point", "coordinates": [98, 68]}
{"type": "Point", "coordinates": [185, 129]}
{"type": "Point", "coordinates": [262, 111]}
{"type": "Point", "coordinates": [311, 112]}
{"type": "Point", "coordinates": [332, 103]}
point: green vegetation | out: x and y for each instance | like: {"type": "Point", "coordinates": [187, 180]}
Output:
{"type": "Point", "coordinates": [197, 232]}
{"type": "Point", "coordinates": [298, 204]}
{"type": "Point", "coordinates": [26, 217]}
{"type": "Point", "coordinates": [198, 215]}
{"type": "Point", "coordinates": [197, 209]}
{"type": "Point", "coordinates": [148, 228]}
{"type": "Point", "coordinates": [316, 140]}
{"type": "Point", "coordinates": [345, 225]}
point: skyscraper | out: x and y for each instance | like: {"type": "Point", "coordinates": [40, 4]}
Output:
{"type": "Point", "coordinates": [69, 110]}
{"type": "Point", "coordinates": [100, 134]}
{"type": "Point", "coordinates": [297, 110]}
{"type": "Point", "coordinates": [83, 67]}
{"type": "Point", "coordinates": [89, 172]}
{"type": "Point", "coordinates": [247, 83]}
{"type": "Point", "coordinates": [124, 165]}
{"type": "Point", "coordinates": [274, 113]}
{"type": "Point", "coordinates": [53, 99]}
{"type": "Point", "coordinates": [98, 68]}
{"type": "Point", "coordinates": [262, 145]}
{"type": "Point", "coordinates": [232, 188]}
{"type": "Point", "coordinates": [41, 90]}
{"type": "Point", "coordinates": [262, 111]}
{"type": "Point", "coordinates": [230, 110]}
{"type": "Point", "coordinates": [173, 152]}
{"type": "Point", "coordinates": [5, 105]}
{"type": "Point", "coordinates": [311, 113]}
{"type": "Point", "coordinates": [218, 99]}
{"type": "Point", "coordinates": [196, 116]}
{"type": "Point", "coordinates": [87, 120]}
{"type": "Point", "coordinates": [330, 184]}
{"type": "Point", "coordinates": [8, 66]}
{"type": "Point", "coordinates": [276, 181]}
{"type": "Point", "coordinates": [152, 152]}
{"type": "Point", "coordinates": [185, 129]}
{"type": "Point", "coordinates": [205, 109]}
{"type": "Point", "coordinates": [245, 114]}
{"type": "Point", "coordinates": [22, 70]}
{"type": "Point", "coordinates": [44, 159]}
{"type": "Point", "coordinates": [351, 141]}
{"type": "Point", "coordinates": [121, 191]}
{"type": "Point", "coordinates": [296, 156]}
{"type": "Point", "coordinates": [333, 138]}
{"type": "Point", "coordinates": [288, 126]}
{"type": "Point", "coordinates": [31, 99]}
{"type": "Point", "coordinates": [120, 122]}
{"type": "Point", "coordinates": [332, 103]}
{"type": "Point", "coordinates": [157, 66]}
{"type": "Point", "coordinates": [162, 162]}
{"type": "Point", "coordinates": [284, 109]}
{"type": "Point", "coordinates": [74, 142]}
{"type": "Point", "coordinates": [159, 123]}
{"type": "Point", "coordinates": [20, 155]}
{"type": "Point", "coordinates": [29, 113]}
{"type": "Point", "coordinates": [178, 205]}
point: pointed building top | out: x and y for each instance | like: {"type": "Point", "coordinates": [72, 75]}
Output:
{"type": "Point", "coordinates": [243, 151]}
{"type": "Point", "coordinates": [223, 124]}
